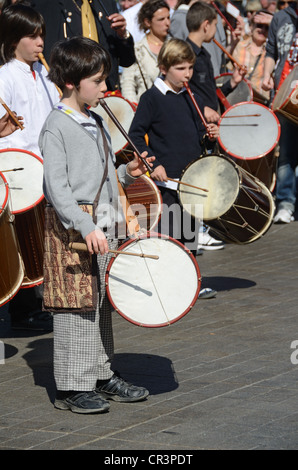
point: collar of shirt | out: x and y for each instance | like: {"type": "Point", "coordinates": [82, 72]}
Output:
{"type": "Point", "coordinates": [164, 88]}
{"type": "Point", "coordinates": [25, 67]}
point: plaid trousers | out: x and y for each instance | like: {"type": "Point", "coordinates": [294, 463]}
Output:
{"type": "Point", "coordinates": [83, 342]}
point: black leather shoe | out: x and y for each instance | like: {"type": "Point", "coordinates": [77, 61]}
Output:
{"type": "Point", "coordinates": [82, 402]}
{"type": "Point", "coordinates": [118, 390]}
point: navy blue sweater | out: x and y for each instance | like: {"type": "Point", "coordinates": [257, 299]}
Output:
{"type": "Point", "coordinates": [173, 126]}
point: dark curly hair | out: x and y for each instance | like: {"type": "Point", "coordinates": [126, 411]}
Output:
{"type": "Point", "coordinates": [147, 11]}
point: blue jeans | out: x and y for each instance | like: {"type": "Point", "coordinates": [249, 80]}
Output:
{"type": "Point", "coordinates": [287, 162]}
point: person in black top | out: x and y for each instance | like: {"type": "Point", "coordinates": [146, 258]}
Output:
{"type": "Point", "coordinates": [201, 22]}
{"type": "Point", "coordinates": [168, 117]}
{"type": "Point", "coordinates": [65, 19]}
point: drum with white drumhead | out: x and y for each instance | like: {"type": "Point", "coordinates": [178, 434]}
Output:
{"type": "Point", "coordinates": [124, 111]}
{"type": "Point", "coordinates": [238, 207]}
{"type": "Point", "coordinates": [27, 205]}
{"type": "Point", "coordinates": [242, 92]}
{"type": "Point", "coordinates": [11, 265]}
{"type": "Point", "coordinates": [249, 132]}
{"type": "Point", "coordinates": [153, 292]}
{"type": "Point", "coordinates": [286, 99]}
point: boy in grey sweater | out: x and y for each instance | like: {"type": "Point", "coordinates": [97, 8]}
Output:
{"type": "Point", "coordinates": [79, 181]}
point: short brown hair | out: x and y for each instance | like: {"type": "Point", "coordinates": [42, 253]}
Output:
{"type": "Point", "coordinates": [197, 14]}
{"type": "Point", "coordinates": [175, 51]}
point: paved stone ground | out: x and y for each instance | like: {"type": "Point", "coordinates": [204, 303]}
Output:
{"type": "Point", "coordinates": [221, 378]}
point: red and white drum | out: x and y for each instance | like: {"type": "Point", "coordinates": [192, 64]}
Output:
{"type": "Point", "coordinates": [153, 292]}
{"type": "Point", "coordinates": [286, 99]}
{"type": "Point", "coordinates": [11, 264]}
{"type": "Point", "coordinates": [145, 202]}
{"type": "Point", "coordinates": [27, 205]}
{"type": "Point", "coordinates": [242, 92]}
{"type": "Point", "coordinates": [250, 132]}
{"type": "Point", "coordinates": [124, 111]}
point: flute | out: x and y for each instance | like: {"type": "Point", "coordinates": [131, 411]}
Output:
{"type": "Point", "coordinates": [223, 17]}
{"type": "Point", "coordinates": [197, 108]}
{"type": "Point", "coordinates": [230, 56]}
{"type": "Point", "coordinates": [44, 62]}
{"type": "Point", "coordinates": [11, 114]}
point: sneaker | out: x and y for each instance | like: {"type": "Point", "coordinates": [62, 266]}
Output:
{"type": "Point", "coordinates": [283, 216]}
{"type": "Point", "coordinates": [206, 242]}
{"type": "Point", "coordinates": [82, 402]}
{"type": "Point", "coordinates": [118, 390]}
{"type": "Point", "coordinates": [207, 293]}
{"type": "Point", "coordinates": [37, 321]}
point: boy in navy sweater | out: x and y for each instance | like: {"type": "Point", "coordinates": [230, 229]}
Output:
{"type": "Point", "coordinates": [175, 131]}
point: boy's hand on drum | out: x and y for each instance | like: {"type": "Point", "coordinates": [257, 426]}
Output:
{"type": "Point", "coordinates": [96, 242]}
{"type": "Point", "coordinates": [136, 167]}
{"type": "Point", "coordinates": [211, 115]}
{"type": "Point", "coordinates": [213, 131]}
{"type": "Point", "coordinates": [159, 174]}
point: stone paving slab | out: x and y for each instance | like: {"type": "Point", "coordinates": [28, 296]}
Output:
{"type": "Point", "coordinates": [221, 378]}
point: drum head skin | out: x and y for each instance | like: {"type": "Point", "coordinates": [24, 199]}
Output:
{"type": "Point", "coordinates": [216, 173]}
{"type": "Point", "coordinates": [25, 184]}
{"type": "Point", "coordinates": [253, 134]}
{"type": "Point", "coordinates": [242, 92]}
{"type": "Point", "coordinates": [124, 113]}
{"type": "Point", "coordinates": [286, 98]}
{"type": "Point", "coordinates": [149, 292]}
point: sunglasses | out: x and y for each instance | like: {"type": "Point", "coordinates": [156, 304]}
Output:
{"type": "Point", "coordinates": [282, 3]}
{"type": "Point", "coordinates": [264, 26]}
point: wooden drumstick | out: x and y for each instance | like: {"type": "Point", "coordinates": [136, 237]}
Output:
{"type": "Point", "coordinates": [235, 62]}
{"type": "Point", "coordinates": [83, 247]}
{"type": "Point", "coordinates": [11, 114]}
{"type": "Point", "coordinates": [44, 62]}
{"type": "Point", "coordinates": [188, 184]}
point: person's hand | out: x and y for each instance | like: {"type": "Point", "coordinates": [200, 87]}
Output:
{"type": "Point", "coordinates": [267, 83]}
{"type": "Point", "coordinates": [213, 131]}
{"type": "Point", "coordinates": [118, 24]}
{"type": "Point", "coordinates": [136, 167]}
{"type": "Point", "coordinates": [8, 126]}
{"type": "Point", "coordinates": [159, 174]}
{"type": "Point", "coordinates": [238, 75]}
{"type": "Point", "coordinates": [211, 115]}
{"type": "Point", "coordinates": [263, 18]}
{"type": "Point", "coordinates": [96, 242]}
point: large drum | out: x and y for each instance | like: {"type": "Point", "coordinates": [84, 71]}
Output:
{"type": "Point", "coordinates": [250, 132]}
{"type": "Point", "coordinates": [242, 92]}
{"type": "Point", "coordinates": [145, 202]}
{"type": "Point", "coordinates": [153, 292]}
{"type": "Point", "coordinates": [124, 111]}
{"type": "Point", "coordinates": [238, 207]}
{"type": "Point", "coordinates": [286, 99]}
{"type": "Point", "coordinates": [11, 265]}
{"type": "Point", "coordinates": [27, 205]}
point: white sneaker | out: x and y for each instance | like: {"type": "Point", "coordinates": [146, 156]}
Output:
{"type": "Point", "coordinates": [283, 216]}
{"type": "Point", "coordinates": [206, 242]}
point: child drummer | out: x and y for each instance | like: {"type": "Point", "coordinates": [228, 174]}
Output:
{"type": "Point", "coordinates": [78, 171]}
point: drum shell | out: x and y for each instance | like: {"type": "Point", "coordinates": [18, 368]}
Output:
{"type": "Point", "coordinates": [286, 98]}
{"type": "Point", "coordinates": [11, 265]}
{"type": "Point", "coordinates": [145, 202]}
{"type": "Point", "coordinates": [27, 205]}
{"type": "Point", "coordinates": [153, 293]}
{"type": "Point", "coordinates": [245, 205]}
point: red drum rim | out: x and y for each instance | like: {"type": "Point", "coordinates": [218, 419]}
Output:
{"type": "Point", "coordinates": [26, 209]}
{"type": "Point", "coordinates": [257, 156]}
{"type": "Point", "coordinates": [165, 237]}
{"type": "Point", "coordinates": [225, 74]}
{"type": "Point", "coordinates": [288, 98]}
{"type": "Point", "coordinates": [3, 206]}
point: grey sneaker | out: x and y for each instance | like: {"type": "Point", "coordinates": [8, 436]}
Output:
{"type": "Point", "coordinates": [82, 402]}
{"type": "Point", "coordinates": [118, 389]}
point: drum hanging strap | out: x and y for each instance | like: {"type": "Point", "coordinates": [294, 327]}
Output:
{"type": "Point", "coordinates": [105, 173]}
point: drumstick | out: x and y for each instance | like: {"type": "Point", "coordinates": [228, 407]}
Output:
{"type": "Point", "coordinates": [12, 169]}
{"type": "Point", "coordinates": [229, 55]}
{"type": "Point", "coordinates": [187, 184]}
{"type": "Point", "coordinates": [44, 62]}
{"type": "Point", "coordinates": [241, 116]}
{"type": "Point", "coordinates": [13, 117]}
{"type": "Point", "coordinates": [124, 133]}
{"type": "Point", "coordinates": [83, 247]}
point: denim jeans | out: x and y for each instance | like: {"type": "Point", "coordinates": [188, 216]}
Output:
{"type": "Point", "coordinates": [287, 162]}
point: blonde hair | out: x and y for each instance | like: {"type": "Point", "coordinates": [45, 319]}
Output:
{"type": "Point", "coordinates": [175, 51]}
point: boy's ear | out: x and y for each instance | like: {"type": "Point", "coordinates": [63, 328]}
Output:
{"type": "Point", "coordinates": [163, 70]}
{"type": "Point", "coordinates": [205, 25]}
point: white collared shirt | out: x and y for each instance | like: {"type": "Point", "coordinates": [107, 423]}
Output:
{"type": "Point", "coordinates": [164, 88]}
{"type": "Point", "coordinates": [32, 98]}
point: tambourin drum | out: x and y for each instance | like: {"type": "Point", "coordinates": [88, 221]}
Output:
{"type": "Point", "coordinates": [286, 99]}
{"type": "Point", "coordinates": [27, 205]}
{"type": "Point", "coordinates": [11, 264]}
{"type": "Point", "coordinates": [124, 111]}
{"type": "Point", "coordinates": [145, 202]}
{"type": "Point", "coordinates": [153, 292]}
{"type": "Point", "coordinates": [243, 91]}
{"type": "Point", "coordinates": [259, 97]}
{"type": "Point", "coordinates": [238, 207]}
{"type": "Point", "coordinates": [249, 132]}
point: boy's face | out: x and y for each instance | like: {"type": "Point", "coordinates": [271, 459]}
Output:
{"type": "Point", "coordinates": [92, 89]}
{"type": "Point", "coordinates": [210, 30]}
{"type": "Point", "coordinates": [177, 75]}
{"type": "Point", "coordinates": [28, 48]}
